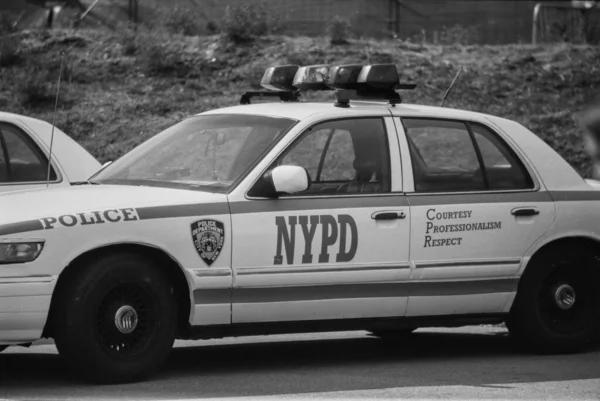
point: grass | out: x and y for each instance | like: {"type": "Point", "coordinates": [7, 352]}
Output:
{"type": "Point", "coordinates": [119, 90]}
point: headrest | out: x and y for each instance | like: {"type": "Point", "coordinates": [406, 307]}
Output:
{"type": "Point", "coordinates": [367, 165]}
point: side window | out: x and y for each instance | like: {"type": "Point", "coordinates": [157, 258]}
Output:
{"type": "Point", "coordinates": [26, 163]}
{"type": "Point", "coordinates": [3, 163]}
{"type": "Point", "coordinates": [343, 157]}
{"type": "Point", "coordinates": [503, 168]}
{"type": "Point", "coordinates": [449, 156]}
{"type": "Point", "coordinates": [444, 158]}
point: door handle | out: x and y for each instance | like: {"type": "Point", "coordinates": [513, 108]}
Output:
{"type": "Point", "coordinates": [388, 216]}
{"type": "Point", "coordinates": [524, 211]}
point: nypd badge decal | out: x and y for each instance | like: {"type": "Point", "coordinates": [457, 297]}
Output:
{"type": "Point", "coordinates": [208, 236]}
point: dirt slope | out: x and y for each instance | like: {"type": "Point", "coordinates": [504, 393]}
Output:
{"type": "Point", "coordinates": [119, 91]}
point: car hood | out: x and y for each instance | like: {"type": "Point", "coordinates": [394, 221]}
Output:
{"type": "Point", "coordinates": [30, 205]}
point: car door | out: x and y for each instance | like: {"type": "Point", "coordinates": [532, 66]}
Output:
{"type": "Point", "coordinates": [476, 208]}
{"type": "Point", "coordinates": [336, 251]}
{"type": "Point", "coordinates": [23, 165]}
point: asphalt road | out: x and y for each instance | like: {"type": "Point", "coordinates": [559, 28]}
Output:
{"type": "Point", "coordinates": [466, 363]}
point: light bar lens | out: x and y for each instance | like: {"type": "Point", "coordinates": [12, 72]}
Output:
{"type": "Point", "coordinates": [344, 76]}
{"type": "Point", "coordinates": [379, 76]}
{"type": "Point", "coordinates": [312, 77]}
{"type": "Point", "coordinates": [20, 252]}
{"type": "Point", "coordinates": [279, 78]}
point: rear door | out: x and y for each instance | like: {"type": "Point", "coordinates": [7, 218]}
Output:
{"type": "Point", "coordinates": [336, 251]}
{"type": "Point", "coordinates": [476, 208]}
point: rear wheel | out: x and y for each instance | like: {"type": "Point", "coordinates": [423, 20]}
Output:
{"type": "Point", "coordinates": [118, 322]}
{"type": "Point", "coordinates": [557, 308]}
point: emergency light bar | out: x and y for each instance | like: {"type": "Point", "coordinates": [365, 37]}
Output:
{"type": "Point", "coordinates": [344, 76]}
{"type": "Point", "coordinates": [279, 78]}
{"type": "Point", "coordinates": [312, 77]}
{"type": "Point", "coordinates": [351, 81]}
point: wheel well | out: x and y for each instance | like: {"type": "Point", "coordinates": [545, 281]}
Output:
{"type": "Point", "coordinates": [162, 259]}
{"type": "Point", "coordinates": [589, 243]}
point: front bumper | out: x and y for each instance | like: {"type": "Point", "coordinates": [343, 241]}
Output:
{"type": "Point", "coordinates": [24, 306]}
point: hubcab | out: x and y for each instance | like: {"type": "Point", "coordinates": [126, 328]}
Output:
{"type": "Point", "coordinates": [126, 319]}
{"type": "Point", "coordinates": [564, 296]}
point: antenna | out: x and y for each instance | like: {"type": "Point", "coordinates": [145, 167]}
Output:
{"type": "Point", "coordinates": [62, 60]}
{"type": "Point", "coordinates": [451, 85]}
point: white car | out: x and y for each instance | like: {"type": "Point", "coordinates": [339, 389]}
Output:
{"type": "Point", "coordinates": [24, 151]}
{"type": "Point", "coordinates": [295, 216]}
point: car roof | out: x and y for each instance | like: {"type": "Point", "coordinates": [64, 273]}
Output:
{"type": "Point", "coordinates": [302, 110]}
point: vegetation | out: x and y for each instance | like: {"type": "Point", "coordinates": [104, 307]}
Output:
{"type": "Point", "coordinates": [121, 88]}
{"type": "Point", "coordinates": [338, 31]}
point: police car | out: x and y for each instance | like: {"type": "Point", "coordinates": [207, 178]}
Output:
{"type": "Point", "coordinates": [361, 213]}
{"type": "Point", "coordinates": [25, 144]}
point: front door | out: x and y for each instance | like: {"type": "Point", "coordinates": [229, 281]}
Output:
{"type": "Point", "coordinates": [336, 251]}
{"type": "Point", "coordinates": [476, 209]}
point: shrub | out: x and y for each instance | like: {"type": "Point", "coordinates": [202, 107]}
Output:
{"type": "Point", "coordinates": [7, 22]}
{"type": "Point", "coordinates": [246, 22]}
{"type": "Point", "coordinates": [162, 58]}
{"type": "Point", "coordinates": [212, 27]}
{"type": "Point", "coordinates": [129, 42]}
{"type": "Point", "coordinates": [460, 35]}
{"type": "Point", "coordinates": [183, 21]}
{"type": "Point", "coordinates": [9, 51]}
{"type": "Point", "coordinates": [338, 31]}
{"type": "Point", "coordinates": [37, 91]}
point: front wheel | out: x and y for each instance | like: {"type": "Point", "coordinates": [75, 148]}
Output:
{"type": "Point", "coordinates": [117, 324]}
{"type": "Point", "coordinates": [557, 307]}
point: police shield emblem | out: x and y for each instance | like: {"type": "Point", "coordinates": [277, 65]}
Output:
{"type": "Point", "coordinates": [208, 236]}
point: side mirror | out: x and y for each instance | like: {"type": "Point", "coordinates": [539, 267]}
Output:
{"type": "Point", "coordinates": [289, 179]}
{"type": "Point", "coordinates": [281, 180]}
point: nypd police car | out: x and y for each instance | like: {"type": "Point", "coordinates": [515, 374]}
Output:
{"type": "Point", "coordinates": [362, 213]}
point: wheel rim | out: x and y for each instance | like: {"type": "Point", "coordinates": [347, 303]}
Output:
{"type": "Point", "coordinates": [565, 298]}
{"type": "Point", "coordinates": [124, 323]}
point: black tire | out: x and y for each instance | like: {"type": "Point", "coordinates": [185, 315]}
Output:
{"type": "Point", "coordinates": [392, 333]}
{"type": "Point", "coordinates": [545, 317]}
{"type": "Point", "coordinates": [3, 347]}
{"type": "Point", "coordinates": [87, 333]}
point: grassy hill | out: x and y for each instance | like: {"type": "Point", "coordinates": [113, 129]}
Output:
{"type": "Point", "coordinates": [119, 89]}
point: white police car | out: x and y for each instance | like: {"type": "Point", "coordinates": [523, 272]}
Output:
{"type": "Point", "coordinates": [294, 216]}
{"type": "Point", "coordinates": [24, 149]}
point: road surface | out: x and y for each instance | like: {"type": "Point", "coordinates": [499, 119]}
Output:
{"type": "Point", "coordinates": [465, 363]}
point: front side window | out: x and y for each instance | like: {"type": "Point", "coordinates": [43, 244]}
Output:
{"type": "Point", "coordinates": [21, 159]}
{"type": "Point", "coordinates": [204, 152]}
{"type": "Point", "coordinates": [450, 156]}
{"type": "Point", "coordinates": [343, 157]}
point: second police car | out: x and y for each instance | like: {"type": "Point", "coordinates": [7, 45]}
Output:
{"type": "Point", "coordinates": [296, 216]}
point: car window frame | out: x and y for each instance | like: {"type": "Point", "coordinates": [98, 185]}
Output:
{"type": "Point", "coordinates": [523, 164]}
{"type": "Point", "coordinates": [301, 135]}
{"type": "Point", "coordinates": [33, 145]}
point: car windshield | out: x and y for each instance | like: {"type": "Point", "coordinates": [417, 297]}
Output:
{"type": "Point", "coordinates": [208, 153]}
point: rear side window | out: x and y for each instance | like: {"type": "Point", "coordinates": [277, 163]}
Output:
{"type": "Point", "coordinates": [454, 156]}
{"type": "Point", "coordinates": [503, 168]}
{"type": "Point", "coordinates": [24, 161]}
{"type": "Point", "coordinates": [3, 163]}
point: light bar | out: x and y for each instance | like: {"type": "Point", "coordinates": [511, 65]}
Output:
{"type": "Point", "coordinates": [379, 76]}
{"type": "Point", "coordinates": [312, 78]}
{"type": "Point", "coordinates": [344, 76]}
{"type": "Point", "coordinates": [279, 78]}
